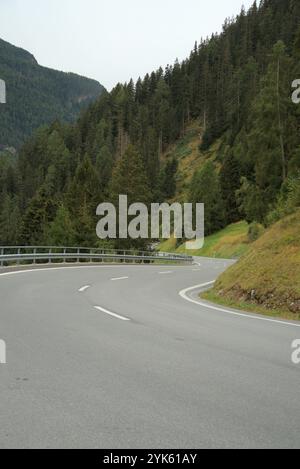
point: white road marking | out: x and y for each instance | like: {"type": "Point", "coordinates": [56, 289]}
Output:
{"type": "Point", "coordinates": [25, 271]}
{"type": "Point", "coordinates": [119, 278]}
{"type": "Point", "coordinates": [184, 295]}
{"type": "Point", "coordinates": [83, 289]}
{"type": "Point", "coordinates": [122, 318]}
{"type": "Point", "coordinates": [165, 273]}
{"type": "Point", "coordinates": [196, 270]}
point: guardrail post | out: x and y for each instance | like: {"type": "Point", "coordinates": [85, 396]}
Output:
{"type": "Point", "coordinates": [50, 260]}
{"type": "Point", "coordinates": [34, 253]}
{"type": "Point", "coordinates": [78, 252]}
{"type": "Point", "coordinates": [2, 253]}
{"type": "Point", "coordinates": [19, 252]}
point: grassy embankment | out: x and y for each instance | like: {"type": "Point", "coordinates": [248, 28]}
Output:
{"type": "Point", "coordinates": [267, 278]}
{"type": "Point", "coordinates": [229, 243]}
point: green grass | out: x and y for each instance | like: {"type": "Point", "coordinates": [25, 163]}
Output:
{"type": "Point", "coordinates": [232, 242]}
{"type": "Point", "coordinates": [267, 277]}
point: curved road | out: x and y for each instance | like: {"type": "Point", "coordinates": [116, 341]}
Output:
{"type": "Point", "coordinates": [145, 369]}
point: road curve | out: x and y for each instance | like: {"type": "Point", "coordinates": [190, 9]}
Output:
{"type": "Point", "coordinates": [114, 357]}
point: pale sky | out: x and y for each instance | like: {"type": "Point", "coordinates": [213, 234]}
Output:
{"type": "Point", "coordinates": [113, 40]}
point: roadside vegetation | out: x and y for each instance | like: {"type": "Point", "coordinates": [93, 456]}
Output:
{"type": "Point", "coordinates": [267, 277]}
{"type": "Point", "coordinates": [229, 243]}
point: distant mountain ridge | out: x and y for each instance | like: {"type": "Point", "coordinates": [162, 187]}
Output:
{"type": "Point", "coordinates": [38, 95]}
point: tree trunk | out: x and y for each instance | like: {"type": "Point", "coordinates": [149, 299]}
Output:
{"type": "Point", "coordinates": [283, 159]}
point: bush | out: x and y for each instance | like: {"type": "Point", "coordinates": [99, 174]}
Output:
{"type": "Point", "coordinates": [255, 231]}
{"type": "Point", "coordinates": [287, 202]}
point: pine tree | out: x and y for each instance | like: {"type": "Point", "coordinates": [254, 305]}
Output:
{"type": "Point", "coordinates": [205, 188]}
{"type": "Point", "coordinates": [229, 183]}
{"type": "Point", "coordinates": [267, 137]}
{"type": "Point", "coordinates": [130, 178]}
{"type": "Point", "coordinates": [10, 219]}
{"type": "Point", "coordinates": [168, 179]}
{"type": "Point", "coordinates": [61, 231]}
{"type": "Point", "coordinates": [39, 213]}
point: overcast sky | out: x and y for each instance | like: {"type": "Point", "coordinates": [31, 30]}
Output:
{"type": "Point", "coordinates": [111, 40]}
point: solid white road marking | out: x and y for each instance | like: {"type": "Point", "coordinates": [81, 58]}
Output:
{"type": "Point", "coordinates": [118, 278]}
{"type": "Point", "coordinates": [83, 289]}
{"type": "Point", "coordinates": [184, 295]}
{"type": "Point", "coordinates": [165, 273]}
{"type": "Point", "coordinates": [111, 314]}
{"type": "Point", "coordinates": [25, 271]}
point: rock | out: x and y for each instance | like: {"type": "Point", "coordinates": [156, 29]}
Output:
{"type": "Point", "coordinates": [295, 307]}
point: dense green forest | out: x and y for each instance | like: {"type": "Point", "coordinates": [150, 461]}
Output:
{"type": "Point", "coordinates": [237, 84]}
{"type": "Point", "coordinates": [37, 95]}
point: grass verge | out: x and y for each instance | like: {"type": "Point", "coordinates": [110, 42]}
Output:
{"type": "Point", "coordinates": [230, 243]}
{"type": "Point", "coordinates": [267, 278]}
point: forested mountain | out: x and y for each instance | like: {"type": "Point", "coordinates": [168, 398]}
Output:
{"type": "Point", "coordinates": [237, 85]}
{"type": "Point", "coordinates": [37, 95]}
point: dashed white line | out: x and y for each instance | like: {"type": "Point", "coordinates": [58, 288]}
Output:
{"type": "Point", "coordinates": [114, 315]}
{"type": "Point", "coordinates": [184, 295]}
{"type": "Point", "coordinates": [165, 273]}
{"type": "Point", "coordinates": [119, 278]}
{"type": "Point", "coordinates": [83, 289]}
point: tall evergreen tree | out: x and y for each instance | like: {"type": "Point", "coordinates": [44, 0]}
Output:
{"type": "Point", "coordinates": [206, 178]}
{"type": "Point", "coordinates": [230, 176]}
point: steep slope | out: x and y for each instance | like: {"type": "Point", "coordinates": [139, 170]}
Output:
{"type": "Point", "coordinates": [189, 157]}
{"type": "Point", "coordinates": [37, 95]}
{"type": "Point", "coordinates": [229, 243]}
{"type": "Point", "coordinates": [267, 277]}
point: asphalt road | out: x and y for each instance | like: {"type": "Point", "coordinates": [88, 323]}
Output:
{"type": "Point", "coordinates": [145, 369]}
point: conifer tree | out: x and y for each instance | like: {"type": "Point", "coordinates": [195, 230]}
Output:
{"type": "Point", "coordinates": [212, 198]}
{"type": "Point", "coordinates": [130, 178]}
{"type": "Point", "coordinates": [60, 231]}
{"type": "Point", "coordinates": [229, 183]}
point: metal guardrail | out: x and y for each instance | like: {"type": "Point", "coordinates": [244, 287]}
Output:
{"type": "Point", "coordinates": [10, 255]}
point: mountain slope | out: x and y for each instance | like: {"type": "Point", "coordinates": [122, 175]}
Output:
{"type": "Point", "coordinates": [37, 95]}
{"type": "Point", "coordinates": [237, 160]}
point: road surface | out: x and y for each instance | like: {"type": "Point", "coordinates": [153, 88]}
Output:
{"type": "Point", "coordinates": [114, 357]}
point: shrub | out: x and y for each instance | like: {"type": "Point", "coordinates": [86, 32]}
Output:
{"type": "Point", "coordinates": [287, 202]}
{"type": "Point", "coordinates": [255, 231]}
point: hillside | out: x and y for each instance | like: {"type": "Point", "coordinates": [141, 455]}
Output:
{"type": "Point", "coordinates": [267, 277]}
{"type": "Point", "coordinates": [218, 128]}
{"type": "Point", "coordinates": [229, 243]}
{"type": "Point", "coordinates": [190, 158]}
{"type": "Point", "coordinates": [37, 95]}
